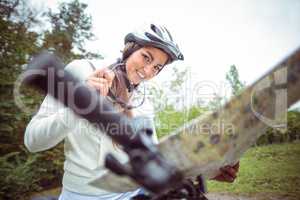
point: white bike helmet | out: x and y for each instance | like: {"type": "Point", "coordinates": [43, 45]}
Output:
{"type": "Point", "coordinates": [156, 36]}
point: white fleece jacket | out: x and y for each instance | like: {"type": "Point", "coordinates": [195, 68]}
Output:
{"type": "Point", "coordinates": [84, 146]}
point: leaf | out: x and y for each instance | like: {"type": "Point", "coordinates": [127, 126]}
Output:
{"type": "Point", "coordinates": [6, 128]}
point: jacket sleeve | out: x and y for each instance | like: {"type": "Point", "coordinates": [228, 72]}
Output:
{"type": "Point", "coordinates": [49, 126]}
{"type": "Point", "coordinates": [53, 121]}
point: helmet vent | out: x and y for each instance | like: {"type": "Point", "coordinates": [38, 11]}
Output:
{"type": "Point", "coordinates": [156, 30]}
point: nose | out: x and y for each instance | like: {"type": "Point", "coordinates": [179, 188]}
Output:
{"type": "Point", "coordinates": [148, 70]}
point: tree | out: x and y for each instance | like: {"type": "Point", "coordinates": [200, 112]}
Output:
{"type": "Point", "coordinates": [237, 86]}
{"type": "Point", "coordinates": [216, 102]}
{"type": "Point", "coordinates": [70, 29]}
{"type": "Point", "coordinates": [232, 77]}
{"type": "Point", "coordinates": [20, 171]}
{"type": "Point", "coordinates": [160, 93]}
{"type": "Point", "coordinates": [17, 42]}
{"type": "Point", "coordinates": [176, 84]}
{"type": "Point", "coordinates": [157, 96]}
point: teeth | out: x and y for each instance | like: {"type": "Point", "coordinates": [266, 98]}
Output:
{"type": "Point", "coordinates": [140, 75]}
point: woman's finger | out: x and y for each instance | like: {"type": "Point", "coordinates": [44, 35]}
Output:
{"type": "Point", "coordinates": [103, 74]}
{"type": "Point", "coordinates": [109, 75]}
{"type": "Point", "coordinates": [103, 88]}
{"type": "Point", "coordinates": [104, 85]}
{"type": "Point", "coordinates": [98, 73]}
{"type": "Point", "coordinates": [99, 80]}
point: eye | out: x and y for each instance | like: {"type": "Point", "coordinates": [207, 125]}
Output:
{"type": "Point", "coordinates": [157, 68]}
{"type": "Point", "coordinates": [147, 58]}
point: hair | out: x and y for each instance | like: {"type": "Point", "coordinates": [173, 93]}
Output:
{"type": "Point", "coordinates": [129, 48]}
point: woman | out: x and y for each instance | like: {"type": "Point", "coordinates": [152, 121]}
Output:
{"type": "Point", "coordinates": [144, 56]}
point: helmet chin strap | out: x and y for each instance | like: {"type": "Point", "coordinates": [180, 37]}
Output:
{"type": "Point", "coordinates": [121, 66]}
{"type": "Point", "coordinates": [129, 85]}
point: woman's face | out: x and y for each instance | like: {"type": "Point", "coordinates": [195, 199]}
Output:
{"type": "Point", "coordinates": [145, 63]}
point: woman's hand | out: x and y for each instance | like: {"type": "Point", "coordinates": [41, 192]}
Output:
{"type": "Point", "coordinates": [101, 80]}
{"type": "Point", "coordinates": [228, 173]}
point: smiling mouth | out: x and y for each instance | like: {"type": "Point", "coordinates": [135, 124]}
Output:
{"type": "Point", "coordinates": [140, 75]}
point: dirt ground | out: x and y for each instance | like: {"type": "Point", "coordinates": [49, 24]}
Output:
{"type": "Point", "coordinates": [210, 196]}
{"type": "Point", "coordinates": [220, 196]}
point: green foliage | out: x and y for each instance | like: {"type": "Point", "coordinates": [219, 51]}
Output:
{"type": "Point", "coordinates": [179, 78]}
{"type": "Point", "coordinates": [17, 42]}
{"type": "Point", "coordinates": [171, 92]}
{"type": "Point", "coordinates": [71, 27]}
{"type": "Point", "coordinates": [16, 45]}
{"type": "Point", "coordinates": [17, 175]}
{"type": "Point", "coordinates": [216, 102]}
{"type": "Point", "coordinates": [170, 119]}
{"type": "Point", "coordinates": [237, 86]}
{"type": "Point", "coordinates": [290, 134]}
{"type": "Point", "coordinates": [233, 78]}
{"type": "Point", "coordinates": [157, 96]}
{"type": "Point", "coordinates": [20, 171]}
{"type": "Point", "coordinates": [293, 131]}
{"type": "Point", "coordinates": [176, 84]}
{"type": "Point", "coordinates": [271, 169]}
